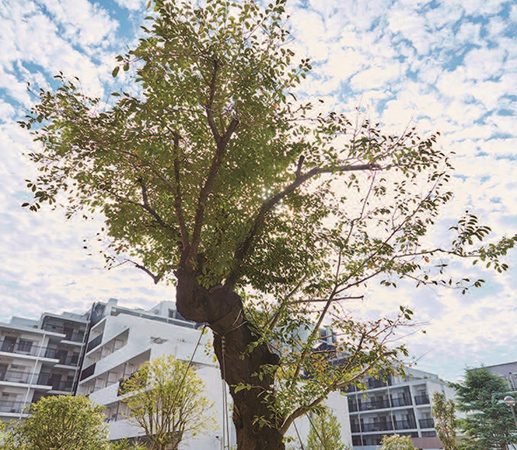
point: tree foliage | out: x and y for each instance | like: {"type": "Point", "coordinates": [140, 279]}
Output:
{"type": "Point", "coordinates": [60, 422]}
{"type": "Point", "coordinates": [325, 432]}
{"type": "Point", "coordinates": [489, 422]}
{"type": "Point", "coordinates": [165, 397]}
{"type": "Point", "coordinates": [445, 420]}
{"type": "Point", "coordinates": [396, 442]}
{"type": "Point", "coordinates": [267, 212]}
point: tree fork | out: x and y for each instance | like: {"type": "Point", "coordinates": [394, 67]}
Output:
{"type": "Point", "coordinates": [222, 309]}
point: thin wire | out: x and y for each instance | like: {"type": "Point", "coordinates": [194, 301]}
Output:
{"type": "Point", "coordinates": [316, 431]}
{"type": "Point", "coordinates": [298, 434]}
{"type": "Point", "coordinates": [189, 365]}
{"type": "Point", "coordinates": [226, 422]}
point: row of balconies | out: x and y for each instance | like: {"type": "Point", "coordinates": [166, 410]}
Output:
{"type": "Point", "coordinates": [42, 352]}
{"type": "Point", "coordinates": [389, 426]}
{"type": "Point", "coordinates": [27, 348]}
{"type": "Point", "coordinates": [385, 403]}
{"type": "Point", "coordinates": [42, 379]}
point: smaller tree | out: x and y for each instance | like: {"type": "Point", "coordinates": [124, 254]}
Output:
{"type": "Point", "coordinates": [445, 420]}
{"type": "Point", "coordinates": [125, 444]}
{"type": "Point", "coordinates": [60, 422]}
{"type": "Point", "coordinates": [165, 398]}
{"type": "Point", "coordinates": [397, 442]}
{"type": "Point", "coordinates": [325, 433]}
{"type": "Point", "coordinates": [489, 423]}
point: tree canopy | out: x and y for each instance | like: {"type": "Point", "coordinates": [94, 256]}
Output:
{"type": "Point", "coordinates": [445, 420]}
{"type": "Point", "coordinates": [489, 421]}
{"type": "Point", "coordinates": [266, 211]}
{"type": "Point", "coordinates": [325, 432]}
{"type": "Point", "coordinates": [396, 442]}
{"type": "Point", "coordinates": [60, 422]}
{"type": "Point", "coordinates": [166, 398]}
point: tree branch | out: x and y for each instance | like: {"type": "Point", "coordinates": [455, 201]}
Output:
{"type": "Point", "coordinates": [210, 103]}
{"type": "Point", "coordinates": [244, 249]}
{"type": "Point", "coordinates": [177, 196]}
{"type": "Point", "coordinates": [145, 205]}
{"type": "Point", "coordinates": [156, 278]}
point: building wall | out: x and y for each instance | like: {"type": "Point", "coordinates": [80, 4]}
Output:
{"type": "Point", "coordinates": [508, 371]}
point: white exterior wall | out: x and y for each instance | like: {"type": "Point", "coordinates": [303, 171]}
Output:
{"type": "Point", "coordinates": [337, 403]}
{"type": "Point", "coordinates": [145, 339]}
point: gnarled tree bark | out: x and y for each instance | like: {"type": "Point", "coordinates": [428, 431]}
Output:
{"type": "Point", "coordinates": [221, 308]}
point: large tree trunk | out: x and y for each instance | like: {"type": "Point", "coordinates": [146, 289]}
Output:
{"type": "Point", "coordinates": [222, 309]}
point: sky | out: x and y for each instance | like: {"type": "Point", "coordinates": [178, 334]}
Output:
{"type": "Point", "coordinates": [441, 65]}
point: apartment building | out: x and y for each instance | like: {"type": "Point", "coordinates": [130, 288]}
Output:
{"type": "Point", "coordinates": [508, 371]}
{"type": "Point", "coordinates": [400, 405]}
{"type": "Point", "coordinates": [91, 354]}
{"type": "Point", "coordinates": [121, 340]}
{"type": "Point", "coordinates": [38, 358]}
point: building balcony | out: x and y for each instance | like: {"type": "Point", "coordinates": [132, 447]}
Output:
{"type": "Point", "coordinates": [405, 401]}
{"type": "Point", "coordinates": [94, 343]}
{"type": "Point", "coordinates": [426, 423]}
{"type": "Point", "coordinates": [53, 380]}
{"type": "Point", "coordinates": [374, 384]}
{"type": "Point", "coordinates": [75, 336]}
{"type": "Point", "coordinates": [88, 372]}
{"type": "Point", "coordinates": [369, 406]}
{"type": "Point", "coordinates": [15, 376]}
{"type": "Point", "coordinates": [27, 348]}
{"type": "Point", "coordinates": [404, 424]}
{"type": "Point", "coordinates": [377, 426]}
{"type": "Point", "coordinates": [422, 399]}
{"type": "Point", "coordinates": [68, 360]}
{"type": "Point", "coordinates": [9, 407]}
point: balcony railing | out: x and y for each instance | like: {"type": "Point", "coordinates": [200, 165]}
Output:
{"type": "Point", "coordinates": [94, 343]}
{"type": "Point", "coordinates": [422, 399]}
{"type": "Point", "coordinates": [15, 376]}
{"type": "Point", "coordinates": [7, 406]}
{"type": "Point", "coordinates": [373, 384]}
{"type": "Point", "coordinates": [49, 379]}
{"type": "Point", "coordinates": [88, 372]}
{"type": "Point", "coordinates": [404, 424]}
{"type": "Point", "coordinates": [426, 423]}
{"type": "Point", "coordinates": [404, 401]}
{"type": "Point", "coordinates": [27, 348]}
{"type": "Point", "coordinates": [377, 426]}
{"type": "Point", "coordinates": [368, 406]}
{"type": "Point", "coordinates": [68, 360]}
{"type": "Point", "coordinates": [75, 336]}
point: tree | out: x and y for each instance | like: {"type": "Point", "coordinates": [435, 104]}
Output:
{"type": "Point", "coordinates": [445, 420]}
{"type": "Point", "coordinates": [325, 433]}
{"type": "Point", "coordinates": [165, 397]}
{"type": "Point", "coordinates": [489, 421]}
{"type": "Point", "coordinates": [60, 422]}
{"type": "Point", "coordinates": [263, 211]}
{"type": "Point", "coordinates": [396, 442]}
{"type": "Point", "coordinates": [124, 444]}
